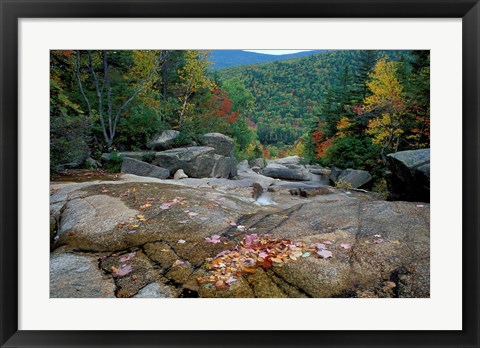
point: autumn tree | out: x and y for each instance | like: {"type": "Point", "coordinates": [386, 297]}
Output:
{"type": "Point", "coordinates": [113, 92]}
{"type": "Point", "coordinates": [193, 77]}
{"type": "Point", "coordinates": [387, 105]}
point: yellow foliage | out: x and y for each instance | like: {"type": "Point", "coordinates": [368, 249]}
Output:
{"type": "Point", "coordinates": [343, 126]}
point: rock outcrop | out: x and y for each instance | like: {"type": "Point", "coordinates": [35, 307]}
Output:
{"type": "Point", "coordinates": [140, 168]}
{"type": "Point", "coordinates": [222, 144]}
{"type": "Point", "coordinates": [197, 162]}
{"type": "Point", "coordinates": [164, 140]}
{"type": "Point", "coordinates": [410, 175]}
{"type": "Point", "coordinates": [142, 237]}
{"type": "Point", "coordinates": [287, 171]}
{"type": "Point", "coordinates": [354, 178]}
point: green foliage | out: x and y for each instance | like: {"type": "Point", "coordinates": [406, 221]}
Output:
{"type": "Point", "coordinates": [148, 157]}
{"type": "Point", "coordinates": [114, 163]}
{"type": "Point", "coordinates": [69, 129]}
{"type": "Point", "coordinates": [358, 153]}
{"type": "Point", "coordinates": [138, 126]}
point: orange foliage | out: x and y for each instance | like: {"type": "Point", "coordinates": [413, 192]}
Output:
{"type": "Point", "coordinates": [321, 142]}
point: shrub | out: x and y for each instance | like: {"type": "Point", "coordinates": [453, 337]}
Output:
{"type": "Point", "coordinates": [114, 163]}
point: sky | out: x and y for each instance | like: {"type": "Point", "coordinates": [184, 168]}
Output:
{"type": "Point", "coordinates": [276, 52]}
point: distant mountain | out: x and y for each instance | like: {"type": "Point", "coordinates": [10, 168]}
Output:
{"type": "Point", "coordinates": [229, 58]}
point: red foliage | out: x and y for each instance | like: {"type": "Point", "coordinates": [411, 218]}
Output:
{"type": "Point", "coordinates": [221, 106]}
{"type": "Point", "coordinates": [321, 142]}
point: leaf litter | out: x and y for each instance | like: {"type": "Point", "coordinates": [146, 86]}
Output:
{"type": "Point", "coordinates": [255, 251]}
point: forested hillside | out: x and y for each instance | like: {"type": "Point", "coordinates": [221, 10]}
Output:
{"type": "Point", "coordinates": [343, 108]}
{"type": "Point", "coordinates": [230, 58]}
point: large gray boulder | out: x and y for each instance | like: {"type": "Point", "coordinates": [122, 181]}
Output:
{"type": "Point", "coordinates": [356, 178]}
{"type": "Point", "coordinates": [136, 167]}
{"type": "Point", "coordinates": [197, 162]}
{"type": "Point", "coordinates": [222, 144]}
{"type": "Point", "coordinates": [290, 172]}
{"type": "Point", "coordinates": [78, 276]}
{"type": "Point", "coordinates": [163, 140]}
{"type": "Point", "coordinates": [410, 175]}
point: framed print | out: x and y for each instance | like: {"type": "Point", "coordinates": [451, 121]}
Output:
{"type": "Point", "coordinates": [239, 174]}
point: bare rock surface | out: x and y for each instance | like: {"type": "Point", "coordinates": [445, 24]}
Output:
{"type": "Point", "coordinates": [148, 237]}
{"type": "Point", "coordinates": [73, 276]}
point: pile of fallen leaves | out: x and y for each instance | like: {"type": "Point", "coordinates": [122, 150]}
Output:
{"type": "Point", "coordinates": [253, 252]}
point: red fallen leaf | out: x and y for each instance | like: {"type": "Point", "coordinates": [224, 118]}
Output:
{"type": "Point", "coordinates": [267, 263]}
{"type": "Point", "coordinates": [248, 240]}
{"type": "Point", "coordinates": [127, 257]}
{"type": "Point", "coordinates": [123, 271]}
{"type": "Point", "coordinates": [263, 254]}
{"type": "Point", "coordinates": [213, 239]}
{"type": "Point", "coordinates": [324, 254]}
{"type": "Point", "coordinates": [345, 246]}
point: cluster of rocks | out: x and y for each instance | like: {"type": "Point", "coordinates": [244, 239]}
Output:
{"type": "Point", "coordinates": [290, 168]}
{"type": "Point", "coordinates": [212, 158]}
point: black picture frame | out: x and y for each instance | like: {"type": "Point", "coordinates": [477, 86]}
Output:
{"type": "Point", "coordinates": [11, 11]}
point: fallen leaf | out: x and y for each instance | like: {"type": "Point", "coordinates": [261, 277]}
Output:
{"type": "Point", "coordinates": [132, 231]}
{"type": "Point", "coordinates": [145, 206]}
{"type": "Point", "coordinates": [324, 254]}
{"type": "Point", "coordinates": [123, 271]}
{"type": "Point", "coordinates": [127, 257]}
{"type": "Point", "coordinates": [345, 246]}
{"type": "Point", "coordinates": [182, 222]}
{"type": "Point", "coordinates": [213, 239]}
{"type": "Point", "coordinates": [181, 241]}
{"type": "Point", "coordinates": [377, 241]}
{"type": "Point", "coordinates": [241, 228]}
{"type": "Point", "coordinates": [307, 254]}
{"type": "Point", "coordinates": [192, 214]}
{"type": "Point", "coordinates": [327, 242]}
{"type": "Point", "coordinates": [377, 235]}
{"type": "Point", "coordinates": [390, 285]}
{"type": "Point", "coordinates": [232, 223]}
{"type": "Point", "coordinates": [178, 263]}
{"type": "Point", "coordinates": [230, 280]}
{"type": "Point", "coordinates": [320, 246]}
{"type": "Point", "coordinates": [395, 241]}
{"type": "Point", "coordinates": [165, 250]}
{"type": "Point", "coordinates": [165, 206]}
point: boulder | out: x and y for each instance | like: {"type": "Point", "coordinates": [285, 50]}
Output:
{"type": "Point", "coordinates": [290, 172]}
{"type": "Point", "coordinates": [197, 162]}
{"type": "Point", "coordinates": [222, 144]}
{"type": "Point", "coordinates": [334, 173]}
{"type": "Point", "coordinates": [290, 160]}
{"type": "Point", "coordinates": [318, 170]}
{"type": "Point", "coordinates": [157, 290]}
{"type": "Point", "coordinates": [78, 276]}
{"type": "Point", "coordinates": [410, 175]}
{"type": "Point", "coordinates": [243, 165]}
{"type": "Point", "coordinates": [258, 162]}
{"type": "Point", "coordinates": [90, 163]}
{"type": "Point", "coordinates": [356, 178]}
{"type": "Point", "coordinates": [163, 140]}
{"type": "Point", "coordinates": [136, 167]}
{"type": "Point", "coordinates": [180, 174]}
